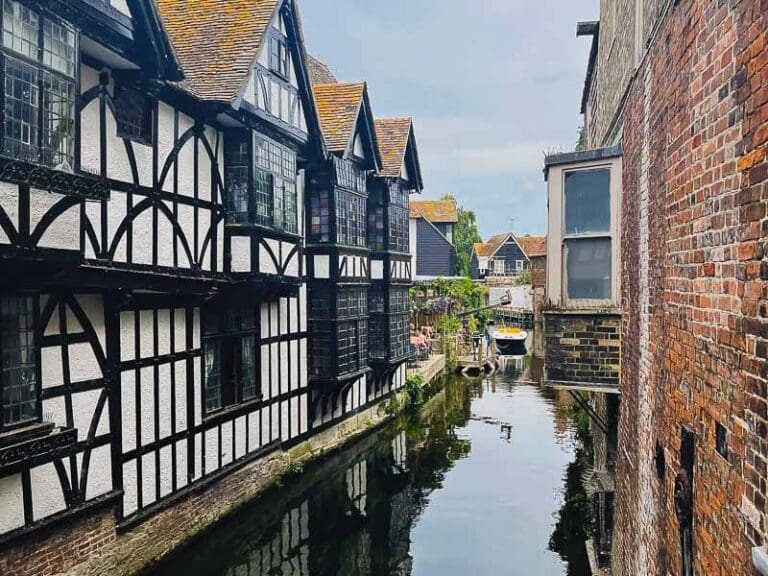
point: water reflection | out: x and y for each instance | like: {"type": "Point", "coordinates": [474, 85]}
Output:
{"type": "Point", "coordinates": [471, 486]}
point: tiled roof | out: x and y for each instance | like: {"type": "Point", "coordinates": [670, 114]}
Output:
{"type": "Point", "coordinates": [482, 250]}
{"type": "Point", "coordinates": [216, 41]}
{"type": "Point", "coordinates": [533, 245]}
{"type": "Point", "coordinates": [436, 211]}
{"type": "Point", "coordinates": [393, 134]}
{"type": "Point", "coordinates": [338, 106]}
{"type": "Point", "coordinates": [319, 72]}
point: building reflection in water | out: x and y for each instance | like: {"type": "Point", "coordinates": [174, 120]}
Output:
{"type": "Point", "coordinates": [354, 513]}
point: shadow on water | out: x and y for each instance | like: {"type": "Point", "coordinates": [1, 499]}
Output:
{"type": "Point", "coordinates": [472, 485]}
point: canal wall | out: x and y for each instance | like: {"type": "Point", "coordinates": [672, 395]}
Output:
{"type": "Point", "coordinates": [94, 544]}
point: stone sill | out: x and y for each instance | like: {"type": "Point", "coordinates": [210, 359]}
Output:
{"type": "Point", "coordinates": [760, 560]}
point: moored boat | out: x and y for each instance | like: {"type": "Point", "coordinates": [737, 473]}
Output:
{"type": "Point", "coordinates": [509, 341]}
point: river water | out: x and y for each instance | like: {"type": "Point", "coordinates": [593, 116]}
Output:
{"type": "Point", "coordinates": [486, 480]}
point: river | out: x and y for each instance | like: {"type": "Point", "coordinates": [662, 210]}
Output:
{"type": "Point", "coordinates": [486, 480]}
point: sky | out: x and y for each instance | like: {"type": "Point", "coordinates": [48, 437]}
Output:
{"type": "Point", "coordinates": [492, 85]}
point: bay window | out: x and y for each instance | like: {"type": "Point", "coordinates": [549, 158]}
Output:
{"type": "Point", "coordinates": [339, 332]}
{"type": "Point", "coordinates": [587, 251]}
{"type": "Point", "coordinates": [39, 58]}
{"type": "Point", "coordinates": [261, 182]}
{"type": "Point", "coordinates": [398, 218]}
{"type": "Point", "coordinates": [19, 361]}
{"type": "Point", "coordinates": [230, 359]}
{"type": "Point", "coordinates": [583, 256]}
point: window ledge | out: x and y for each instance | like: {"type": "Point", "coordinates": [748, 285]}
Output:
{"type": "Point", "coordinates": [234, 410]}
{"type": "Point", "coordinates": [50, 179]}
{"type": "Point", "coordinates": [34, 443]}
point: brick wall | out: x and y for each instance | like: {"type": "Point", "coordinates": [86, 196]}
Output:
{"type": "Point", "coordinates": [695, 295]}
{"type": "Point", "coordinates": [620, 37]}
{"type": "Point", "coordinates": [582, 347]}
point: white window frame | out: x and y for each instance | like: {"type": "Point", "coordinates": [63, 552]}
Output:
{"type": "Point", "coordinates": [496, 262]}
{"type": "Point", "coordinates": [557, 281]}
{"type": "Point", "coordinates": [519, 265]}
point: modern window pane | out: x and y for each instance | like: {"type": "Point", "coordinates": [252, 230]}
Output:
{"type": "Point", "coordinates": [21, 110]}
{"type": "Point", "coordinates": [588, 201]}
{"type": "Point", "coordinates": [588, 268]}
{"type": "Point", "coordinates": [20, 29]}
{"type": "Point", "coordinates": [58, 122]}
{"type": "Point", "coordinates": [19, 359]}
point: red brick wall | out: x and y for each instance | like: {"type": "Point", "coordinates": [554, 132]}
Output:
{"type": "Point", "coordinates": [694, 277]}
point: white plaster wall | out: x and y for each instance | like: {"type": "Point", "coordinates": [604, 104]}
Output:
{"type": "Point", "coordinates": [186, 220]}
{"type": "Point", "coordinates": [121, 6]}
{"type": "Point", "coordinates": [64, 231]}
{"type": "Point", "coordinates": [377, 270]}
{"type": "Point", "coordinates": [90, 125]}
{"type": "Point", "coordinates": [83, 411]}
{"type": "Point", "coordinates": [118, 165]}
{"type": "Point", "coordinates": [322, 266]}
{"type": "Point", "coordinates": [99, 472]}
{"type": "Point", "coordinates": [47, 496]}
{"type": "Point", "coordinates": [128, 410]}
{"type": "Point", "coordinates": [9, 202]}
{"type": "Point", "coordinates": [165, 141]}
{"type": "Point", "coordinates": [117, 209]}
{"type": "Point", "coordinates": [165, 240]}
{"type": "Point", "coordinates": [186, 159]}
{"type": "Point", "coordinates": [11, 503]}
{"type": "Point", "coordinates": [130, 487]}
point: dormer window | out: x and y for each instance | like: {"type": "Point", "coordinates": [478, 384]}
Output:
{"type": "Point", "coordinates": [40, 57]}
{"type": "Point", "coordinates": [261, 182]}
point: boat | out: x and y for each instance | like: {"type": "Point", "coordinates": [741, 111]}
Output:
{"type": "Point", "coordinates": [509, 341]}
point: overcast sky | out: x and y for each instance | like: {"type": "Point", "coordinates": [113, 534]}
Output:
{"type": "Point", "coordinates": [491, 85]}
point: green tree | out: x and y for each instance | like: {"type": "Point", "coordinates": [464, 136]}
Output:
{"type": "Point", "coordinates": [465, 235]}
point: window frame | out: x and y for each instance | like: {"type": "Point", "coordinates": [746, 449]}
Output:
{"type": "Point", "coordinates": [269, 164]}
{"type": "Point", "coordinates": [45, 73]}
{"type": "Point", "coordinates": [496, 263]}
{"type": "Point", "coordinates": [227, 342]}
{"type": "Point", "coordinates": [36, 335]}
{"type": "Point", "coordinates": [556, 277]}
{"type": "Point", "coordinates": [147, 137]}
{"type": "Point", "coordinates": [573, 238]}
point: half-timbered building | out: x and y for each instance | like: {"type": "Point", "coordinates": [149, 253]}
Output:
{"type": "Point", "coordinates": [185, 248]}
{"type": "Point", "coordinates": [153, 310]}
{"type": "Point", "coordinates": [391, 268]}
{"type": "Point", "coordinates": [338, 257]}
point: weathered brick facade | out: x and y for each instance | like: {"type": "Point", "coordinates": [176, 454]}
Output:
{"type": "Point", "coordinates": [695, 296]}
{"type": "Point", "coordinates": [582, 347]}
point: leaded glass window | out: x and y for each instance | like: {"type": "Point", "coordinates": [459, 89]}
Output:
{"type": "Point", "coordinates": [40, 87]}
{"type": "Point", "coordinates": [378, 336]}
{"type": "Point", "coordinates": [230, 359]}
{"type": "Point", "coordinates": [320, 217]}
{"type": "Point", "coordinates": [20, 360]}
{"type": "Point", "coordinates": [349, 176]}
{"type": "Point", "coordinates": [398, 229]}
{"type": "Point", "coordinates": [133, 113]}
{"type": "Point", "coordinates": [351, 219]}
{"type": "Point", "coordinates": [261, 185]}
{"type": "Point", "coordinates": [376, 233]}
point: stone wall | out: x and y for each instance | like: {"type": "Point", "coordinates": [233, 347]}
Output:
{"type": "Point", "coordinates": [93, 545]}
{"type": "Point", "coordinates": [582, 347]}
{"type": "Point", "coordinates": [695, 325]}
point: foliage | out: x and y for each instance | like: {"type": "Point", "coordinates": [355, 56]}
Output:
{"type": "Point", "coordinates": [414, 388]}
{"type": "Point", "coordinates": [465, 235]}
{"type": "Point", "coordinates": [581, 143]}
{"type": "Point", "coordinates": [524, 279]}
